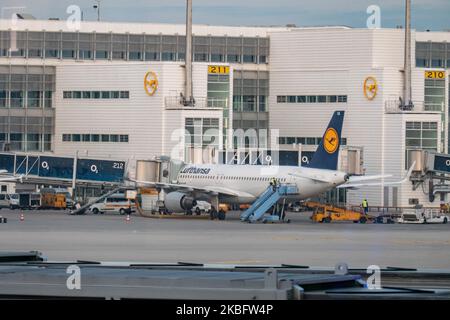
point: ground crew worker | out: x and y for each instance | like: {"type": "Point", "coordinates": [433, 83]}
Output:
{"type": "Point", "coordinates": [273, 183]}
{"type": "Point", "coordinates": [365, 206]}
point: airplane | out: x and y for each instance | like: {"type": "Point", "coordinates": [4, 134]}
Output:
{"type": "Point", "coordinates": [243, 184]}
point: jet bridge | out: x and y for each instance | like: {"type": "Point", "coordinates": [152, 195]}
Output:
{"type": "Point", "coordinates": [50, 169]}
{"type": "Point", "coordinates": [430, 166]}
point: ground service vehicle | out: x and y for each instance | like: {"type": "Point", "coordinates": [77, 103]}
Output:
{"type": "Point", "coordinates": [56, 198]}
{"type": "Point", "coordinates": [115, 203]}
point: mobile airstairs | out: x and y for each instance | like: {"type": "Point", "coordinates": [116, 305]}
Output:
{"type": "Point", "coordinates": [269, 198]}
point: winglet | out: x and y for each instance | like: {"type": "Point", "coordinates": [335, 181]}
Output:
{"type": "Point", "coordinates": [408, 174]}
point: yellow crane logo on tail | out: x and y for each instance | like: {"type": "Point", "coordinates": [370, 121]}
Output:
{"type": "Point", "coordinates": [331, 141]}
{"type": "Point", "coordinates": [370, 88]}
{"type": "Point", "coordinates": [150, 83]}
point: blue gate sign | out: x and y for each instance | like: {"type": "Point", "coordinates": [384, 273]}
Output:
{"type": "Point", "coordinates": [442, 163]}
{"type": "Point", "coordinates": [56, 167]}
{"type": "Point", "coordinates": [7, 162]}
{"type": "Point", "coordinates": [100, 170]}
{"type": "Point", "coordinates": [307, 157]}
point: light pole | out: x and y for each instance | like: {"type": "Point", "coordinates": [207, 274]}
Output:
{"type": "Point", "coordinates": [97, 6]}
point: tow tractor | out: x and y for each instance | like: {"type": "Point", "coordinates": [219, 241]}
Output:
{"type": "Point", "coordinates": [328, 213]}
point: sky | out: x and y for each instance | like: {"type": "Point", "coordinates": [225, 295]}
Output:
{"type": "Point", "coordinates": [431, 15]}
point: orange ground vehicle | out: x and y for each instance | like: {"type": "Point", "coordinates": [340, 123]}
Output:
{"type": "Point", "coordinates": [328, 213]}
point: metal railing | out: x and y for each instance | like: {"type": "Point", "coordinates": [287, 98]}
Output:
{"type": "Point", "coordinates": [394, 106]}
{"type": "Point", "coordinates": [176, 102]}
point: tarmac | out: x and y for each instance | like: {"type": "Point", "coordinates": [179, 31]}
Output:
{"type": "Point", "coordinates": [62, 237]}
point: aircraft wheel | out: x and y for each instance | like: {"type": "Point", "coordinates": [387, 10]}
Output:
{"type": "Point", "coordinates": [221, 215]}
{"type": "Point", "coordinates": [213, 214]}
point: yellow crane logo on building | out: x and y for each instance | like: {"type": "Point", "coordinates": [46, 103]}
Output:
{"type": "Point", "coordinates": [150, 83]}
{"type": "Point", "coordinates": [370, 88]}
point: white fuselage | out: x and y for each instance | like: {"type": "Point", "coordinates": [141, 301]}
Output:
{"type": "Point", "coordinates": [252, 180]}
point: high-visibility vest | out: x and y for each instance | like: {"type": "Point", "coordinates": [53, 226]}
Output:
{"type": "Point", "coordinates": [364, 204]}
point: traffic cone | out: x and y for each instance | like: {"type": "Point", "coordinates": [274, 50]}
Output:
{"type": "Point", "coordinates": [22, 218]}
{"type": "Point", "coordinates": [127, 218]}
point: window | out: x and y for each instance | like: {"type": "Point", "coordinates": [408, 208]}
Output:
{"type": "Point", "coordinates": [301, 99]}
{"type": "Point", "coordinates": [3, 94]}
{"type": "Point", "coordinates": [342, 99]}
{"type": "Point", "coordinates": [34, 98]}
{"type": "Point", "coordinates": [96, 95]}
{"type": "Point", "coordinates": [101, 55]}
{"type": "Point", "coordinates": [322, 99]}
{"type": "Point", "coordinates": [48, 99]}
{"type": "Point", "coordinates": [52, 53]}
{"type": "Point", "coordinates": [114, 138]}
{"type": "Point", "coordinates": [311, 99]}
{"type": "Point", "coordinates": [281, 99]}
{"type": "Point", "coordinates": [292, 99]}
{"type": "Point", "coordinates": [67, 95]}
{"type": "Point", "coordinates": [422, 135]}
{"type": "Point", "coordinates": [17, 99]}
{"type": "Point", "coordinates": [86, 94]}
{"type": "Point", "coordinates": [92, 138]}
{"type": "Point", "coordinates": [68, 54]}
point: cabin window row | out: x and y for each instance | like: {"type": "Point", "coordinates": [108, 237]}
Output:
{"type": "Point", "coordinates": [194, 176]}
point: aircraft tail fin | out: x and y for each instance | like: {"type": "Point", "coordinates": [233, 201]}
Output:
{"type": "Point", "coordinates": [327, 154]}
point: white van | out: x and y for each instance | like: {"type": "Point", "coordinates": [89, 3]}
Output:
{"type": "Point", "coordinates": [9, 200]}
{"type": "Point", "coordinates": [4, 200]}
{"type": "Point", "coordinates": [115, 203]}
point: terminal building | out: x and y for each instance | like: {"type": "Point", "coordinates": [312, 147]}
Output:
{"type": "Point", "coordinates": [114, 91]}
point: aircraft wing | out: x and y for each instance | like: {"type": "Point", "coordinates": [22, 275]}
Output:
{"type": "Point", "coordinates": [314, 176]}
{"type": "Point", "coordinates": [15, 178]}
{"type": "Point", "coordinates": [358, 182]}
{"type": "Point", "coordinates": [187, 188]}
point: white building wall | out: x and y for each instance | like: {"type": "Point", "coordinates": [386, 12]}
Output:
{"type": "Point", "coordinates": [144, 118]}
{"type": "Point", "coordinates": [334, 61]}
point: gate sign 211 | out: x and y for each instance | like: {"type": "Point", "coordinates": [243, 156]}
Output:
{"type": "Point", "coordinates": [100, 170]}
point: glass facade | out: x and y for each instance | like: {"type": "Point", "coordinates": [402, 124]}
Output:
{"type": "Point", "coordinates": [422, 135]}
{"type": "Point", "coordinates": [433, 55]}
{"type": "Point", "coordinates": [112, 46]}
{"type": "Point", "coordinates": [250, 99]}
{"type": "Point", "coordinates": [26, 89]}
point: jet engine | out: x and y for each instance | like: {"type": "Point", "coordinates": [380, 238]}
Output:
{"type": "Point", "coordinates": [179, 202]}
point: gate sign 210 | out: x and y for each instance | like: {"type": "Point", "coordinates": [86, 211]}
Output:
{"type": "Point", "coordinates": [100, 170]}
